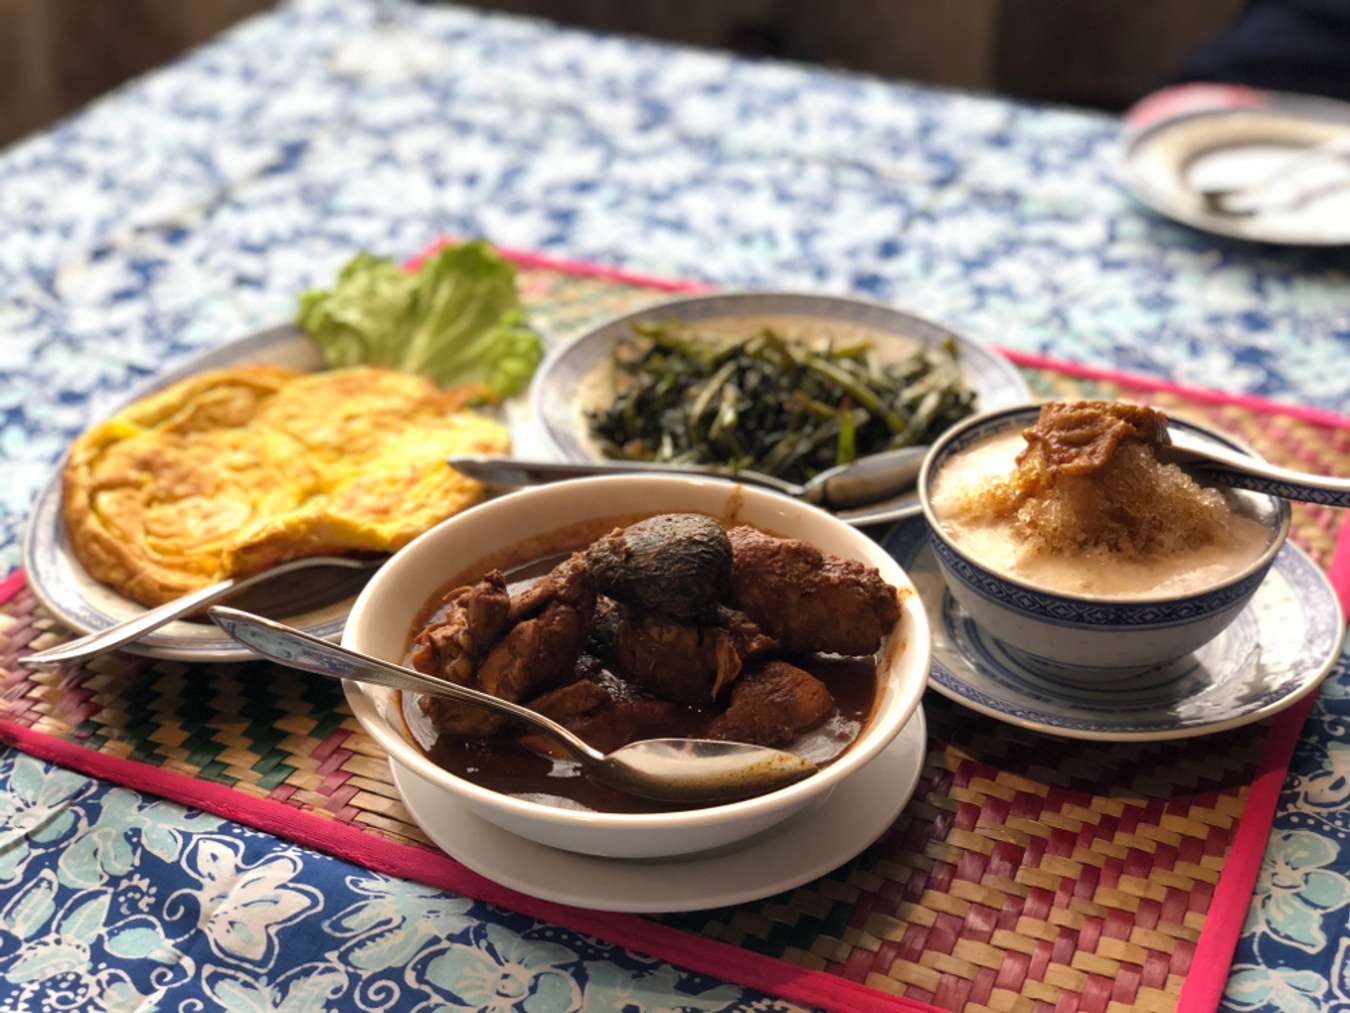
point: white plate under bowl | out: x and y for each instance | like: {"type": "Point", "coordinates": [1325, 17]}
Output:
{"type": "Point", "coordinates": [1165, 165]}
{"type": "Point", "coordinates": [1279, 649]}
{"type": "Point", "coordinates": [380, 622]}
{"type": "Point", "coordinates": [560, 411]}
{"type": "Point", "coordinates": [305, 600]}
{"type": "Point", "coordinates": [796, 851]}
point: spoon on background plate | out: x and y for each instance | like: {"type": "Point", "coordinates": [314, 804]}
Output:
{"type": "Point", "coordinates": [669, 770]}
{"type": "Point", "coordinates": [1285, 187]}
{"type": "Point", "coordinates": [864, 483]}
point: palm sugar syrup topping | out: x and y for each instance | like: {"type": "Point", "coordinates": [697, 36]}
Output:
{"type": "Point", "coordinates": [1083, 437]}
{"type": "Point", "coordinates": [1089, 479]}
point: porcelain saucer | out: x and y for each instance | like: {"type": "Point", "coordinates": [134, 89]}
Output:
{"type": "Point", "coordinates": [1279, 649]}
{"type": "Point", "coordinates": [794, 852]}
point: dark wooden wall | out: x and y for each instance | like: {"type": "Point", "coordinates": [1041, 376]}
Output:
{"type": "Point", "coordinates": [1104, 53]}
{"type": "Point", "coordinates": [58, 54]}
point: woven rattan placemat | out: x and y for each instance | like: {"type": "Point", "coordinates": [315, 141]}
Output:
{"type": "Point", "coordinates": [1028, 872]}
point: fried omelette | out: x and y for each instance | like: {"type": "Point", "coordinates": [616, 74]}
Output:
{"type": "Point", "coordinates": [235, 470]}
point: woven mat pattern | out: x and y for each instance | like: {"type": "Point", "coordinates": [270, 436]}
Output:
{"type": "Point", "coordinates": [1027, 874]}
{"type": "Point", "coordinates": [1015, 881]}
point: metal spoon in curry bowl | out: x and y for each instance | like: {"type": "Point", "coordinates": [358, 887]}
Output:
{"type": "Point", "coordinates": [668, 770]}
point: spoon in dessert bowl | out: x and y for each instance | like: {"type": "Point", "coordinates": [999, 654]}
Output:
{"type": "Point", "coordinates": [1237, 470]}
{"type": "Point", "coordinates": [676, 770]}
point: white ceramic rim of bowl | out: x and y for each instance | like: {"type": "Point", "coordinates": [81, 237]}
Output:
{"type": "Point", "coordinates": [558, 351]}
{"type": "Point", "coordinates": [912, 662]}
{"type": "Point", "coordinates": [935, 526]}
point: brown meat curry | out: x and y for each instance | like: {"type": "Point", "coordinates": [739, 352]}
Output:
{"type": "Point", "coordinates": [669, 626]}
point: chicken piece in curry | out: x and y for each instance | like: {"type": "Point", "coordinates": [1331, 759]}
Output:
{"type": "Point", "coordinates": [671, 626]}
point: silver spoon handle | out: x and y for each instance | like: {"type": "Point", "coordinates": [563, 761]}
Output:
{"type": "Point", "coordinates": [1242, 471]}
{"type": "Point", "coordinates": [513, 472]}
{"type": "Point", "coordinates": [1319, 154]}
{"type": "Point", "coordinates": [93, 644]}
{"type": "Point", "coordinates": [295, 649]}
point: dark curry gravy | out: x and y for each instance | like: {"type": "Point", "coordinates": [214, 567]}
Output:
{"type": "Point", "coordinates": [502, 764]}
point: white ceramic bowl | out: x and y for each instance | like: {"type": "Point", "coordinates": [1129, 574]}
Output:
{"type": "Point", "coordinates": [564, 386]}
{"type": "Point", "coordinates": [380, 622]}
{"type": "Point", "coordinates": [1077, 634]}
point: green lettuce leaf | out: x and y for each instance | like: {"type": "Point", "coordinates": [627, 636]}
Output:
{"type": "Point", "coordinates": [456, 320]}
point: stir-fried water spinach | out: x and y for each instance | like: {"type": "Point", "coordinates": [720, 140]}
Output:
{"type": "Point", "coordinates": [766, 403]}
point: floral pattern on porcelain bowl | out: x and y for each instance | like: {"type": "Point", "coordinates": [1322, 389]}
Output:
{"type": "Point", "coordinates": [1068, 633]}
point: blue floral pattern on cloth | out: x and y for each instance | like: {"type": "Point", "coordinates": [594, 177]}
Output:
{"type": "Point", "coordinates": [191, 206]}
{"type": "Point", "coordinates": [1294, 954]}
{"type": "Point", "coordinates": [111, 900]}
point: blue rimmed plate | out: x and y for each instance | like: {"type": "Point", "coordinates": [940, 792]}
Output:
{"type": "Point", "coordinates": [316, 601]}
{"type": "Point", "coordinates": [569, 381]}
{"type": "Point", "coordinates": [1279, 649]}
{"type": "Point", "coordinates": [309, 600]}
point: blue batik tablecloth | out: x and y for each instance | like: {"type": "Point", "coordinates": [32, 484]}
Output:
{"type": "Point", "coordinates": [190, 207]}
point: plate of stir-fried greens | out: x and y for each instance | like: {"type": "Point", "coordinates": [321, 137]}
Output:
{"type": "Point", "coordinates": [779, 383]}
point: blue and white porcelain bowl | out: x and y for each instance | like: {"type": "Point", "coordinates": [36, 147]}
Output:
{"type": "Point", "coordinates": [1084, 635]}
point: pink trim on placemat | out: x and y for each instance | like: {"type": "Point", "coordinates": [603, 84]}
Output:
{"type": "Point", "coordinates": [426, 865]}
{"type": "Point", "coordinates": [1251, 402]}
{"type": "Point", "coordinates": [1338, 571]}
{"type": "Point", "coordinates": [543, 262]}
{"type": "Point", "coordinates": [1213, 957]}
{"type": "Point", "coordinates": [12, 585]}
